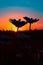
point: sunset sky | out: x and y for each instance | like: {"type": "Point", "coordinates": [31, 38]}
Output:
{"type": "Point", "coordinates": [18, 9]}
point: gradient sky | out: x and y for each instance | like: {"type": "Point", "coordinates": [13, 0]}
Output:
{"type": "Point", "coordinates": [19, 8]}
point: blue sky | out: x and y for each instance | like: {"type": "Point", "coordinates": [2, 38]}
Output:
{"type": "Point", "coordinates": [28, 6]}
{"type": "Point", "coordinates": [33, 7]}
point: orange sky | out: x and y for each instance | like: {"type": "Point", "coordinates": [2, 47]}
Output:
{"type": "Point", "coordinates": [6, 25]}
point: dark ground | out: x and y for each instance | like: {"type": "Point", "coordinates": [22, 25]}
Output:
{"type": "Point", "coordinates": [21, 48]}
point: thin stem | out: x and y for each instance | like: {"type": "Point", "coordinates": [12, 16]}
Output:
{"type": "Point", "coordinates": [17, 29]}
{"type": "Point", "coordinates": [30, 27]}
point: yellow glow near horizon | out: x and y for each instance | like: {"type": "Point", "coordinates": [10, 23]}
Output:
{"type": "Point", "coordinates": [6, 25]}
{"type": "Point", "coordinates": [15, 30]}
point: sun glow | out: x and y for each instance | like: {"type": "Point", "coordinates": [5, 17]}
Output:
{"type": "Point", "coordinates": [6, 25]}
{"type": "Point", "coordinates": [15, 30]}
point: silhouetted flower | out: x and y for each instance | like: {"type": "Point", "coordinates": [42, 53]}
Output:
{"type": "Point", "coordinates": [18, 23]}
{"type": "Point", "coordinates": [30, 20]}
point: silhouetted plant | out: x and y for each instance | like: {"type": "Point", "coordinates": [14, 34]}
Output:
{"type": "Point", "coordinates": [30, 20]}
{"type": "Point", "coordinates": [18, 23]}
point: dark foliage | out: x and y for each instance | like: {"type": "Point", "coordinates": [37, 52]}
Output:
{"type": "Point", "coordinates": [21, 48]}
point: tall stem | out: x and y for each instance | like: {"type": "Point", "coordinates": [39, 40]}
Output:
{"type": "Point", "coordinates": [30, 27]}
{"type": "Point", "coordinates": [17, 29]}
